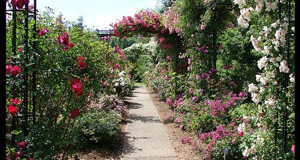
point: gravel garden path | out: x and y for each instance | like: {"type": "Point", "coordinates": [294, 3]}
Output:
{"type": "Point", "coordinates": [146, 137]}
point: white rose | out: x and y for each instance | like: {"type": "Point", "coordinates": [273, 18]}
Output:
{"type": "Point", "coordinates": [258, 77]}
{"type": "Point", "coordinates": [261, 89]}
{"type": "Point", "coordinates": [252, 88]}
{"type": "Point", "coordinates": [271, 74]}
{"type": "Point", "coordinates": [255, 43]}
{"type": "Point", "coordinates": [264, 80]}
{"type": "Point", "coordinates": [270, 102]}
{"type": "Point", "coordinates": [271, 6]}
{"type": "Point", "coordinates": [242, 127]}
{"type": "Point", "coordinates": [246, 152]}
{"type": "Point", "coordinates": [293, 29]}
{"type": "Point", "coordinates": [259, 7]}
{"type": "Point", "coordinates": [262, 62]}
{"type": "Point", "coordinates": [255, 98]}
{"type": "Point", "coordinates": [292, 78]}
{"type": "Point", "coordinates": [284, 67]}
{"type": "Point", "coordinates": [266, 50]}
{"type": "Point", "coordinates": [274, 25]}
{"type": "Point", "coordinates": [243, 23]}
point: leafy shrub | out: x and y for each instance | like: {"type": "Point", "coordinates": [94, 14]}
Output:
{"type": "Point", "coordinates": [95, 127]}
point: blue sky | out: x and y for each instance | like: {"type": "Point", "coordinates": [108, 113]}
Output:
{"type": "Point", "coordinates": [98, 13]}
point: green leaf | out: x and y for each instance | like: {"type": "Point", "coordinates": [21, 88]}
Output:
{"type": "Point", "coordinates": [15, 132]}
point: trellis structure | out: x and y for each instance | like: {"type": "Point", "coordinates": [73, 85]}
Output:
{"type": "Point", "coordinates": [29, 74]}
{"type": "Point", "coordinates": [283, 129]}
{"type": "Point", "coordinates": [281, 124]}
{"type": "Point", "coordinates": [3, 77]}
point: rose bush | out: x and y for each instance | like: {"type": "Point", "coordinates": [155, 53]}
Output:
{"type": "Point", "coordinates": [71, 65]}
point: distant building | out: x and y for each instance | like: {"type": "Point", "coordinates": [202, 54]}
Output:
{"type": "Point", "coordinates": [103, 33]}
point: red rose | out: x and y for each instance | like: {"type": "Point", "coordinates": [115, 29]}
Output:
{"type": "Point", "coordinates": [12, 110]}
{"type": "Point", "coordinates": [80, 59]}
{"type": "Point", "coordinates": [77, 86]}
{"type": "Point", "coordinates": [15, 70]}
{"type": "Point", "coordinates": [63, 39]}
{"type": "Point", "coordinates": [14, 3]}
{"type": "Point", "coordinates": [71, 44]}
{"type": "Point", "coordinates": [22, 144]}
{"type": "Point", "coordinates": [79, 92]}
{"type": "Point", "coordinates": [82, 64]}
{"type": "Point", "coordinates": [227, 66]}
{"type": "Point", "coordinates": [19, 3]}
{"type": "Point", "coordinates": [16, 101]}
{"type": "Point", "coordinates": [241, 134]}
{"type": "Point", "coordinates": [20, 50]}
{"type": "Point", "coordinates": [43, 31]}
{"type": "Point", "coordinates": [74, 113]}
{"type": "Point", "coordinates": [75, 80]}
{"type": "Point", "coordinates": [65, 48]}
{"type": "Point", "coordinates": [60, 40]}
{"type": "Point", "coordinates": [19, 154]}
{"type": "Point", "coordinates": [8, 68]}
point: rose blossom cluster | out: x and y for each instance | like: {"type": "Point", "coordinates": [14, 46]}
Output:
{"type": "Point", "coordinates": [12, 108]}
{"type": "Point", "coordinates": [43, 31]}
{"type": "Point", "coordinates": [245, 17]}
{"type": "Point", "coordinates": [13, 70]}
{"type": "Point", "coordinates": [81, 63]}
{"type": "Point", "coordinates": [143, 21]}
{"type": "Point", "coordinates": [120, 52]}
{"type": "Point", "coordinates": [105, 38]}
{"type": "Point", "coordinates": [273, 63]}
{"type": "Point", "coordinates": [218, 107]}
{"type": "Point", "coordinates": [206, 75]}
{"type": "Point", "coordinates": [202, 49]}
{"type": "Point", "coordinates": [19, 154]}
{"type": "Point", "coordinates": [163, 42]}
{"type": "Point", "coordinates": [74, 113]}
{"type": "Point", "coordinates": [64, 41]}
{"type": "Point", "coordinates": [19, 3]}
{"type": "Point", "coordinates": [77, 87]}
{"type": "Point", "coordinates": [213, 136]}
{"type": "Point", "coordinates": [171, 19]}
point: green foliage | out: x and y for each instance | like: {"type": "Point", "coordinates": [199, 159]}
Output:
{"type": "Point", "coordinates": [102, 128]}
{"type": "Point", "coordinates": [124, 43]}
{"type": "Point", "coordinates": [141, 66]}
{"type": "Point", "coordinates": [48, 142]}
{"type": "Point", "coordinates": [236, 51]}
